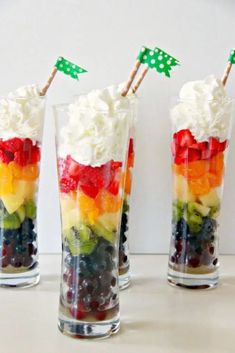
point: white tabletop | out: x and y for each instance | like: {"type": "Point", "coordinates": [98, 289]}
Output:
{"type": "Point", "coordinates": [155, 316]}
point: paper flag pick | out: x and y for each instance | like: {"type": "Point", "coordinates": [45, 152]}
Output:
{"type": "Point", "coordinates": [231, 58]}
{"type": "Point", "coordinates": [68, 68]}
{"type": "Point", "coordinates": [157, 59]}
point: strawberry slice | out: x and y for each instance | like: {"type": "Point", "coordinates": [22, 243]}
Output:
{"type": "Point", "coordinates": [13, 145]}
{"type": "Point", "coordinates": [184, 138]}
{"type": "Point", "coordinates": [131, 146]}
{"type": "Point", "coordinates": [186, 155]}
{"type": "Point", "coordinates": [74, 169]}
{"type": "Point", "coordinates": [223, 145]}
{"type": "Point", "coordinates": [181, 156]}
{"type": "Point", "coordinates": [90, 191]}
{"type": "Point", "coordinates": [206, 154]}
{"type": "Point", "coordinates": [200, 145]}
{"type": "Point", "coordinates": [114, 187]}
{"type": "Point", "coordinates": [214, 144]}
{"type": "Point", "coordinates": [35, 155]}
{"type": "Point", "coordinates": [27, 145]}
{"type": "Point", "coordinates": [6, 156]}
{"type": "Point", "coordinates": [115, 165]}
{"type": "Point", "coordinates": [67, 184]}
{"type": "Point", "coordinates": [193, 154]}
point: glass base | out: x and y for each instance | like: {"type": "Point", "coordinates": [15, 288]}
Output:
{"type": "Point", "coordinates": [20, 279]}
{"type": "Point", "coordinates": [193, 281]}
{"type": "Point", "coordinates": [124, 280]}
{"type": "Point", "coordinates": [88, 330]}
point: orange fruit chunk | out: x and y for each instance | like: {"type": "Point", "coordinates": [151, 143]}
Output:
{"type": "Point", "coordinates": [192, 170]}
{"type": "Point", "coordinates": [16, 170]}
{"type": "Point", "coordinates": [130, 160]}
{"type": "Point", "coordinates": [199, 186]}
{"type": "Point", "coordinates": [30, 172]}
{"type": "Point", "coordinates": [88, 208]}
{"type": "Point", "coordinates": [128, 182]}
{"type": "Point", "coordinates": [217, 163]}
{"type": "Point", "coordinates": [108, 203]}
{"type": "Point", "coordinates": [215, 180]}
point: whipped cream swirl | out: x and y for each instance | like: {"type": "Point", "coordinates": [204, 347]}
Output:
{"type": "Point", "coordinates": [204, 108]}
{"type": "Point", "coordinates": [97, 128]}
{"type": "Point", "coordinates": [22, 113]}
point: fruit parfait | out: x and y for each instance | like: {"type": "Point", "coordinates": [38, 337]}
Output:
{"type": "Point", "coordinates": [201, 126]}
{"type": "Point", "coordinates": [21, 125]}
{"type": "Point", "coordinates": [124, 258]}
{"type": "Point", "coordinates": [91, 148]}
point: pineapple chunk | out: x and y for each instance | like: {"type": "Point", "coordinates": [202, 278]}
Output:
{"type": "Point", "coordinates": [25, 189]}
{"type": "Point", "coordinates": [181, 190]}
{"type": "Point", "coordinates": [210, 200]}
{"type": "Point", "coordinates": [109, 221]}
{"type": "Point", "coordinates": [12, 202]}
{"type": "Point", "coordinates": [70, 219]}
{"type": "Point", "coordinates": [69, 212]}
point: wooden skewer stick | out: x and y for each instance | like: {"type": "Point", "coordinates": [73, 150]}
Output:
{"type": "Point", "coordinates": [140, 79]}
{"type": "Point", "coordinates": [131, 78]}
{"type": "Point", "coordinates": [226, 73]}
{"type": "Point", "coordinates": [49, 81]}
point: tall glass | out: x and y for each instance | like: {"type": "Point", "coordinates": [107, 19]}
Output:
{"type": "Point", "coordinates": [124, 255]}
{"type": "Point", "coordinates": [198, 176]}
{"type": "Point", "coordinates": [20, 151]}
{"type": "Point", "coordinates": [91, 201]}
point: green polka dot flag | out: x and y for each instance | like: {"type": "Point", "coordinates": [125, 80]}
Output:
{"type": "Point", "coordinates": [68, 68]}
{"type": "Point", "coordinates": [157, 59]}
{"type": "Point", "coordinates": [231, 58]}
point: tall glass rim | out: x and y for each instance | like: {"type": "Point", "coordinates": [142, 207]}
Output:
{"type": "Point", "coordinates": [177, 99]}
{"type": "Point", "coordinates": [63, 107]}
{"type": "Point", "coordinates": [21, 98]}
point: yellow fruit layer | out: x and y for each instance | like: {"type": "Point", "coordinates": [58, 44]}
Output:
{"type": "Point", "coordinates": [78, 207]}
{"type": "Point", "coordinates": [17, 184]}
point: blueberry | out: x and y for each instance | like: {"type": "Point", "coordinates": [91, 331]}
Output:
{"type": "Point", "coordinates": [32, 236]}
{"type": "Point", "coordinates": [208, 225]}
{"type": "Point", "coordinates": [125, 258]}
{"type": "Point", "coordinates": [123, 229]}
{"type": "Point", "coordinates": [180, 230]}
{"type": "Point", "coordinates": [99, 265]}
{"type": "Point", "coordinates": [109, 263]}
{"type": "Point", "coordinates": [27, 226]}
{"type": "Point", "coordinates": [89, 285]}
{"type": "Point", "coordinates": [6, 242]}
{"type": "Point", "coordinates": [113, 282]}
{"type": "Point", "coordinates": [20, 249]}
{"type": "Point", "coordinates": [16, 261]}
{"type": "Point", "coordinates": [110, 249]}
{"type": "Point", "coordinates": [27, 261]}
{"type": "Point", "coordinates": [69, 260]}
{"type": "Point", "coordinates": [30, 249]}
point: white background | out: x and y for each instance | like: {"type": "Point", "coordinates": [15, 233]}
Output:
{"type": "Point", "coordinates": [105, 36]}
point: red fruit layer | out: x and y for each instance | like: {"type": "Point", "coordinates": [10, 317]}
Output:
{"type": "Point", "coordinates": [22, 151]}
{"type": "Point", "coordinates": [89, 179]}
{"type": "Point", "coordinates": [185, 147]}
